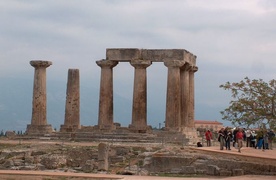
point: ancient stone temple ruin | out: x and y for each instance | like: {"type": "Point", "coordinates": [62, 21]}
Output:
{"type": "Point", "coordinates": [181, 66]}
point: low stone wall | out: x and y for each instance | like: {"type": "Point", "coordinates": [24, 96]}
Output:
{"type": "Point", "coordinates": [119, 159]}
{"type": "Point", "coordinates": [207, 165]}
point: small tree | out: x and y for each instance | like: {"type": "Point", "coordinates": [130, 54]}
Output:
{"type": "Point", "coordinates": [253, 103]}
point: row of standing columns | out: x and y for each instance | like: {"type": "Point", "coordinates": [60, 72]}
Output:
{"type": "Point", "coordinates": [179, 102]}
{"type": "Point", "coordinates": [39, 123]}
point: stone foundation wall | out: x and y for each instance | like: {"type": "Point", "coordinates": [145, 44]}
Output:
{"type": "Point", "coordinates": [138, 160]}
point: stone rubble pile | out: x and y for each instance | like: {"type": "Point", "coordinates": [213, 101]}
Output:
{"type": "Point", "coordinates": [129, 160]}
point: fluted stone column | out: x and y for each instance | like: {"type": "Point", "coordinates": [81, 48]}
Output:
{"type": "Point", "coordinates": [105, 119]}
{"type": "Point", "coordinates": [139, 106]}
{"type": "Point", "coordinates": [39, 110]}
{"type": "Point", "coordinates": [173, 94]}
{"type": "Point", "coordinates": [72, 106]}
{"type": "Point", "coordinates": [192, 96]}
{"type": "Point", "coordinates": [184, 74]}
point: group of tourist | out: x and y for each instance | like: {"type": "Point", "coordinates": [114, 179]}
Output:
{"type": "Point", "coordinates": [260, 139]}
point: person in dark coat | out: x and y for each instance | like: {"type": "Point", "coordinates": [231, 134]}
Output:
{"type": "Point", "coordinates": [228, 139]}
{"type": "Point", "coordinates": [221, 138]}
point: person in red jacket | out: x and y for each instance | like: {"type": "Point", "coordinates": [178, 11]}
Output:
{"type": "Point", "coordinates": [208, 136]}
{"type": "Point", "coordinates": [239, 137]}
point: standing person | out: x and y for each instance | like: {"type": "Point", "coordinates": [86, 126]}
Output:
{"type": "Point", "coordinates": [221, 138]}
{"type": "Point", "coordinates": [234, 136]}
{"type": "Point", "coordinates": [248, 140]}
{"type": "Point", "coordinates": [253, 139]}
{"type": "Point", "coordinates": [208, 136]}
{"type": "Point", "coordinates": [265, 145]}
{"type": "Point", "coordinates": [225, 135]}
{"type": "Point", "coordinates": [271, 136]}
{"type": "Point", "coordinates": [239, 137]}
{"type": "Point", "coordinates": [228, 139]}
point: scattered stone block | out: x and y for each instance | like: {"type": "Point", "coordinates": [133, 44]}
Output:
{"type": "Point", "coordinates": [188, 170]}
{"type": "Point", "coordinates": [10, 134]}
{"type": "Point", "coordinates": [213, 170]}
{"type": "Point", "coordinates": [224, 172]}
{"type": "Point", "coordinates": [116, 159]}
{"type": "Point", "coordinates": [237, 172]}
{"type": "Point", "coordinates": [200, 171]}
{"type": "Point", "coordinates": [201, 166]}
{"type": "Point", "coordinates": [18, 162]}
{"type": "Point", "coordinates": [8, 163]}
{"type": "Point", "coordinates": [176, 170]}
{"type": "Point", "coordinates": [40, 167]}
{"type": "Point", "coordinates": [103, 150]}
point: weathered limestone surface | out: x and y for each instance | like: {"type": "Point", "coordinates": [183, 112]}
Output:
{"type": "Point", "coordinates": [147, 159]}
{"type": "Point", "coordinates": [139, 107]}
{"type": "Point", "coordinates": [180, 86]}
{"type": "Point", "coordinates": [72, 106]}
{"type": "Point", "coordinates": [39, 109]}
{"type": "Point", "coordinates": [105, 120]}
{"type": "Point", "coordinates": [154, 55]}
{"type": "Point", "coordinates": [103, 150]}
{"type": "Point", "coordinates": [161, 55]}
{"type": "Point", "coordinates": [192, 97]}
{"type": "Point", "coordinates": [119, 54]}
{"type": "Point", "coordinates": [184, 78]}
{"type": "Point", "coordinates": [173, 102]}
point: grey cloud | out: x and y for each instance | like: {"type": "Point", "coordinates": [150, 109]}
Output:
{"type": "Point", "coordinates": [230, 40]}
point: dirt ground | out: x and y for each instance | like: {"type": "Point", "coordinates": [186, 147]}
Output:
{"type": "Point", "coordinates": [34, 175]}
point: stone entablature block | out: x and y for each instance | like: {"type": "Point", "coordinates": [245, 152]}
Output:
{"type": "Point", "coordinates": [123, 54]}
{"type": "Point", "coordinates": [154, 55]}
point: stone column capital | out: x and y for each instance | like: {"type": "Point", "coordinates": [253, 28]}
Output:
{"type": "Point", "coordinates": [140, 64]}
{"type": "Point", "coordinates": [40, 63]}
{"type": "Point", "coordinates": [106, 63]}
{"type": "Point", "coordinates": [186, 67]}
{"type": "Point", "coordinates": [193, 69]}
{"type": "Point", "coordinates": [174, 63]}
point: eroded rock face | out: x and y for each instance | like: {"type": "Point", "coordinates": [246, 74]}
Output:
{"type": "Point", "coordinates": [53, 161]}
{"type": "Point", "coordinates": [127, 160]}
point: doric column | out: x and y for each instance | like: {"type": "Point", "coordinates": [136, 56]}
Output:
{"type": "Point", "coordinates": [173, 94]}
{"type": "Point", "coordinates": [184, 78]}
{"type": "Point", "coordinates": [139, 106]}
{"type": "Point", "coordinates": [192, 96]}
{"type": "Point", "coordinates": [105, 119]}
{"type": "Point", "coordinates": [39, 110]}
{"type": "Point", "coordinates": [72, 106]}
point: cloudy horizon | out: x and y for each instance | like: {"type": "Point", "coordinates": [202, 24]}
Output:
{"type": "Point", "coordinates": [231, 39]}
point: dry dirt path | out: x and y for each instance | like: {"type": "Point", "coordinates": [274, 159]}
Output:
{"type": "Point", "coordinates": [42, 175]}
{"type": "Point", "coordinates": [265, 157]}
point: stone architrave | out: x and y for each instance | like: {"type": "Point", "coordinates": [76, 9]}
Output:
{"type": "Point", "coordinates": [105, 119]}
{"type": "Point", "coordinates": [39, 106]}
{"type": "Point", "coordinates": [72, 106]}
{"type": "Point", "coordinates": [139, 106]}
{"type": "Point", "coordinates": [192, 97]}
{"type": "Point", "coordinates": [184, 77]}
{"type": "Point", "coordinates": [173, 102]}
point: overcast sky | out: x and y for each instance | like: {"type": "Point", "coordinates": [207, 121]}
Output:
{"type": "Point", "coordinates": [231, 39]}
